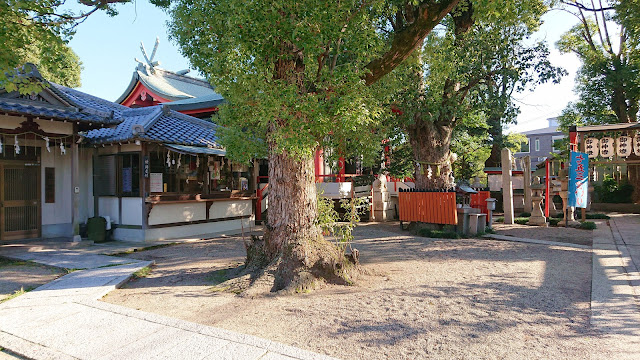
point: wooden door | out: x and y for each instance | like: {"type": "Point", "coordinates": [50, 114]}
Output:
{"type": "Point", "coordinates": [19, 201]}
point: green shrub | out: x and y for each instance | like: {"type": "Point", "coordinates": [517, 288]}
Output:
{"type": "Point", "coordinates": [554, 221]}
{"type": "Point", "coordinates": [440, 234]}
{"type": "Point", "coordinates": [588, 225]}
{"type": "Point", "coordinates": [558, 216]}
{"type": "Point", "coordinates": [525, 214]}
{"type": "Point", "coordinates": [597, 216]}
{"type": "Point", "coordinates": [521, 220]}
{"type": "Point", "coordinates": [499, 219]}
{"type": "Point", "coordinates": [609, 191]}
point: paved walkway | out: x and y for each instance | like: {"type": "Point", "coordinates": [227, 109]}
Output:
{"type": "Point", "coordinates": [64, 319]}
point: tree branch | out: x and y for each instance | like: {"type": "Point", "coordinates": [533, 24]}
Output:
{"type": "Point", "coordinates": [429, 14]}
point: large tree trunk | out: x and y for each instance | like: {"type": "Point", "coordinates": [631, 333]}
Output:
{"type": "Point", "coordinates": [495, 131]}
{"type": "Point", "coordinates": [430, 143]}
{"type": "Point", "coordinates": [293, 240]}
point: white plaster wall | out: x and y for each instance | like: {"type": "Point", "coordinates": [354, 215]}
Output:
{"type": "Point", "coordinates": [61, 211]}
{"type": "Point", "coordinates": [197, 231]}
{"type": "Point", "coordinates": [108, 206]}
{"type": "Point", "coordinates": [180, 212]}
{"type": "Point", "coordinates": [131, 211]}
{"type": "Point", "coordinates": [224, 209]}
{"type": "Point", "coordinates": [57, 127]}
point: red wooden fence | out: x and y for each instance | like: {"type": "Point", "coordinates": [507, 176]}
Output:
{"type": "Point", "coordinates": [428, 207]}
{"type": "Point", "coordinates": [479, 201]}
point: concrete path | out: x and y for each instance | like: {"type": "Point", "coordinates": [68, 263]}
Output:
{"type": "Point", "coordinates": [64, 320]}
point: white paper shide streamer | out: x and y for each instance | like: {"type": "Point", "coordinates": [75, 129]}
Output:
{"type": "Point", "coordinates": [16, 145]}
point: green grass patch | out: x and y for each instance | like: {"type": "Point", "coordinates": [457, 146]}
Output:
{"type": "Point", "coordinates": [144, 272]}
{"type": "Point", "coordinates": [12, 262]}
{"type": "Point", "coordinates": [597, 216]}
{"type": "Point", "coordinates": [588, 225]}
{"type": "Point", "coordinates": [218, 276]}
{"type": "Point", "coordinates": [521, 220]}
{"type": "Point", "coordinates": [440, 234]}
{"type": "Point", "coordinates": [16, 294]}
{"type": "Point", "coordinates": [554, 221]}
{"type": "Point", "coordinates": [499, 219]}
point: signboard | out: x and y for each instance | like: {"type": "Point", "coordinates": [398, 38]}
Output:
{"type": "Point", "coordinates": [578, 179]}
{"type": "Point", "coordinates": [592, 147]}
{"type": "Point", "coordinates": [145, 166]}
{"type": "Point", "coordinates": [156, 183]}
{"type": "Point", "coordinates": [127, 179]}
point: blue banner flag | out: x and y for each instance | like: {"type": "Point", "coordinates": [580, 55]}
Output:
{"type": "Point", "coordinates": [578, 179]}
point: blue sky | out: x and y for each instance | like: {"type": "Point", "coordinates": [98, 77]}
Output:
{"type": "Point", "coordinates": [107, 47]}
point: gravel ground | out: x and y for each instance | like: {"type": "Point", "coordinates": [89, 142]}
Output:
{"type": "Point", "coordinates": [16, 275]}
{"type": "Point", "coordinates": [421, 298]}
{"type": "Point", "coordinates": [560, 234]}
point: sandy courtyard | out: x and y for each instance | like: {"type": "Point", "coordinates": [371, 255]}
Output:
{"type": "Point", "coordinates": [422, 298]}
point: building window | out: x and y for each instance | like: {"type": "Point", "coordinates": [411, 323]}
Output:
{"type": "Point", "coordinates": [537, 146]}
{"type": "Point", "coordinates": [557, 143]}
{"type": "Point", "coordinates": [117, 175]}
{"type": "Point", "coordinates": [49, 185]}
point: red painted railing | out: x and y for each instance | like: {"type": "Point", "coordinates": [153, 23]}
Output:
{"type": "Point", "coordinates": [261, 193]}
{"type": "Point", "coordinates": [479, 201]}
{"type": "Point", "coordinates": [428, 207]}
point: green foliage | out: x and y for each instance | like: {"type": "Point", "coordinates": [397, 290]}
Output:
{"type": "Point", "coordinates": [521, 220]}
{"type": "Point", "coordinates": [439, 234]}
{"type": "Point", "coordinates": [37, 31]}
{"type": "Point", "coordinates": [499, 219]}
{"type": "Point", "coordinates": [401, 161]}
{"type": "Point", "coordinates": [329, 220]}
{"type": "Point", "coordinates": [609, 191]}
{"type": "Point", "coordinates": [525, 214]}
{"type": "Point", "coordinates": [588, 225]}
{"type": "Point", "coordinates": [554, 221]}
{"type": "Point", "coordinates": [607, 82]}
{"type": "Point", "coordinates": [319, 49]}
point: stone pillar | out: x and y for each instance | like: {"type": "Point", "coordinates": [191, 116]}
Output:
{"type": "Point", "coordinates": [507, 188]}
{"type": "Point", "coordinates": [382, 208]}
{"type": "Point", "coordinates": [526, 170]}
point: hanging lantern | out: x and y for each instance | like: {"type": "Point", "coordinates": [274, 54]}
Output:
{"type": "Point", "coordinates": [46, 143]}
{"type": "Point", "coordinates": [606, 147]}
{"type": "Point", "coordinates": [16, 145]}
{"type": "Point", "coordinates": [623, 146]}
{"type": "Point", "coordinates": [636, 144]}
{"type": "Point", "coordinates": [592, 147]}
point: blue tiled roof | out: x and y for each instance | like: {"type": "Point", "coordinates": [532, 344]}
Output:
{"type": "Point", "coordinates": [17, 107]}
{"type": "Point", "coordinates": [89, 103]}
{"type": "Point", "coordinates": [160, 125]}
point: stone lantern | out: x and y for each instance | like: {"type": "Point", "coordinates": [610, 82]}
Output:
{"type": "Point", "coordinates": [537, 216]}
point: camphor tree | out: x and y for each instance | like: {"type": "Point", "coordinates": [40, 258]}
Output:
{"type": "Point", "coordinates": [37, 32]}
{"type": "Point", "coordinates": [468, 70]}
{"type": "Point", "coordinates": [297, 75]}
{"type": "Point", "coordinates": [608, 82]}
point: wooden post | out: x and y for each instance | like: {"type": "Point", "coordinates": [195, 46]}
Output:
{"type": "Point", "coordinates": [507, 189]}
{"type": "Point", "coordinates": [75, 188]}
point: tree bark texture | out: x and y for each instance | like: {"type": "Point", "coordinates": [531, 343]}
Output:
{"type": "Point", "coordinates": [431, 143]}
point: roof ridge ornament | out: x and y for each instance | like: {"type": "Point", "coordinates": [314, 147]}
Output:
{"type": "Point", "coordinates": [150, 62]}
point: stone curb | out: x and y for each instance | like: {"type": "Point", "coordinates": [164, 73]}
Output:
{"type": "Point", "coordinates": [536, 241]}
